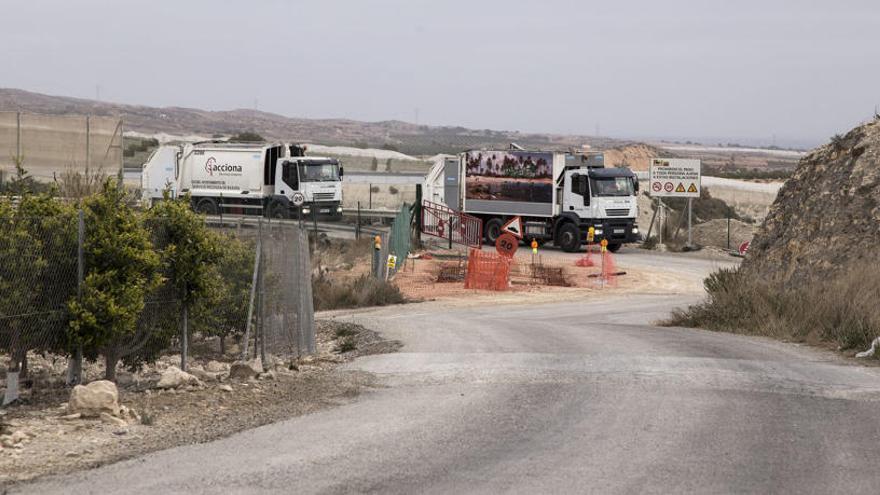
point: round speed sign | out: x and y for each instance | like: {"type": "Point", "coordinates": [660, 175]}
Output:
{"type": "Point", "coordinates": [506, 245]}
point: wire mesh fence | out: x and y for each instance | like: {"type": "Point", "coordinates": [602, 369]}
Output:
{"type": "Point", "coordinates": [58, 298]}
{"type": "Point", "coordinates": [400, 238]}
{"type": "Point", "coordinates": [52, 145]}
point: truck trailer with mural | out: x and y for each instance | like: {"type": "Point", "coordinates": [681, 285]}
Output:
{"type": "Point", "coordinates": [275, 180]}
{"type": "Point", "coordinates": [558, 195]}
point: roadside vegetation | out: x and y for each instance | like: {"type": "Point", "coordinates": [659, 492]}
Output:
{"type": "Point", "coordinates": [141, 270]}
{"type": "Point", "coordinates": [840, 309]}
{"type": "Point", "coordinates": [341, 278]}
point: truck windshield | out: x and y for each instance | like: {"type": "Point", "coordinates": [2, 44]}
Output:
{"type": "Point", "coordinates": [613, 186]}
{"type": "Point", "coordinates": [319, 171]}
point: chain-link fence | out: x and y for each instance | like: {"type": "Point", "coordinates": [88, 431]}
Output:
{"type": "Point", "coordinates": [400, 238]}
{"type": "Point", "coordinates": [282, 297]}
{"type": "Point", "coordinates": [49, 146]}
{"type": "Point", "coordinates": [59, 299]}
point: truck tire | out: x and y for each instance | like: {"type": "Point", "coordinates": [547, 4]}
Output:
{"type": "Point", "coordinates": [568, 238]}
{"type": "Point", "coordinates": [208, 207]}
{"type": "Point", "coordinates": [614, 247]}
{"type": "Point", "coordinates": [492, 230]}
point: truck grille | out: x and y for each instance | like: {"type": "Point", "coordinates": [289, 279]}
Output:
{"type": "Point", "coordinates": [617, 212]}
{"type": "Point", "coordinates": [328, 196]}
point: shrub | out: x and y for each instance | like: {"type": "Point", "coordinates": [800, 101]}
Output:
{"type": "Point", "coordinates": [838, 309]}
{"type": "Point", "coordinates": [360, 292]}
{"type": "Point", "coordinates": [392, 190]}
{"type": "Point", "coordinates": [123, 268]}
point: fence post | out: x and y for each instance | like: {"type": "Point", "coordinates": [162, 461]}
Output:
{"type": "Point", "coordinates": [250, 314]}
{"type": "Point", "coordinates": [88, 141]}
{"type": "Point", "coordinates": [18, 137]}
{"type": "Point", "coordinates": [370, 207]}
{"type": "Point", "coordinates": [261, 329]}
{"type": "Point", "coordinates": [184, 337]}
{"type": "Point", "coordinates": [417, 212]}
{"type": "Point", "coordinates": [357, 228]}
{"type": "Point", "coordinates": [74, 367]}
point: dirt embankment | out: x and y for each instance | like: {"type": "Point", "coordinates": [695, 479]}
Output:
{"type": "Point", "coordinates": [828, 214]}
{"type": "Point", "coordinates": [633, 156]}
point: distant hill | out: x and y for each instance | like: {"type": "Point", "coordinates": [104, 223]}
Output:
{"type": "Point", "coordinates": [392, 134]}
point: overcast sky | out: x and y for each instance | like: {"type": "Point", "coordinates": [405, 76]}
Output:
{"type": "Point", "coordinates": [733, 70]}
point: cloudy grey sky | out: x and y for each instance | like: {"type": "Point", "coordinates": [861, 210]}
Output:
{"type": "Point", "coordinates": [797, 69]}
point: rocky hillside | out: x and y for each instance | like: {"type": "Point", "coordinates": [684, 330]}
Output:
{"type": "Point", "coordinates": [636, 156]}
{"type": "Point", "coordinates": [827, 215]}
{"type": "Point", "coordinates": [393, 134]}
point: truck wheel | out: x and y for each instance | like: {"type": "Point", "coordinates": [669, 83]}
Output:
{"type": "Point", "coordinates": [568, 238]}
{"type": "Point", "coordinates": [208, 207]}
{"type": "Point", "coordinates": [492, 230]}
{"type": "Point", "coordinates": [614, 247]}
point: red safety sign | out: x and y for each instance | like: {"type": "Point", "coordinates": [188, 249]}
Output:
{"type": "Point", "coordinates": [744, 247]}
{"type": "Point", "coordinates": [513, 226]}
{"type": "Point", "coordinates": [507, 244]}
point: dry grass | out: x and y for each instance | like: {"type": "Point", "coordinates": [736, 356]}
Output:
{"type": "Point", "coordinates": [359, 292]}
{"type": "Point", "coordinates": [839, 309]}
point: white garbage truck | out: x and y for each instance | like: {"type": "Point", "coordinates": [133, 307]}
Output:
{"type": "Point", "coordinates": [276, 179]}
{"type": "Point", "coordinates": [558, 195]}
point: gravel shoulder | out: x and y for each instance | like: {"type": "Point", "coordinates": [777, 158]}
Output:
{"type": "Point", "coordinates": [55, 445]}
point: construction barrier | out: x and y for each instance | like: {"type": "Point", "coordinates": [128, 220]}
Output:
{"type": "Point", "coordinates": [587, 259]}
{"type": "Point", "coordinates": [455, 226]}
{"type": "Point", "coordinates": [487, 271]}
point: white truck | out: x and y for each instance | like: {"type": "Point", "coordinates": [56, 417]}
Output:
{"type": "Point", "coordinates": [558, 195]}
{"type": "Point", "coordinates": [275, 179]}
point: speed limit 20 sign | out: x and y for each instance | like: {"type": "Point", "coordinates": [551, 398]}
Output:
{"type": "Point", "coordinates": [507, 244]}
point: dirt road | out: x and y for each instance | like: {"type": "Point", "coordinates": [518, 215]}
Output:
{"type": "Point", "coordinates": [574, 397]}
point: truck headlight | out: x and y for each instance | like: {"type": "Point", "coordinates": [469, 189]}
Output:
{"type": "Point", "coordinates": [635, 230]}
{"type": "Point", "coordinates": [598, 231]}
{"type": "Point", "coordinates": [306, 211]}
{"type": "Point", "coordinates": [339, 209]}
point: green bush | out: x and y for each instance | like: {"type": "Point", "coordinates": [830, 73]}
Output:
{"type": "Point", "coordinates": [123, 267]}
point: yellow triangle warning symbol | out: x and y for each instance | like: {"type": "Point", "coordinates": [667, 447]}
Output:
{"type": "Point", "coordinates": [680, 187]}
{"type": "Point", "coordinates": [693, 188]}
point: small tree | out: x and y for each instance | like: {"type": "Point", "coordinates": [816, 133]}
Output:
{"type": "Point", "coordinates": [121, 269]}
{"type": "Point", "coordinates": [375, 164]}
{"type": "Point", "coordinates": [226, 315]}
{"type": "Point", "coordinates": [37, 276]}
{"type": "Point", "coordinates": [388, 165]}
{"type": "Point", "coordinates": [190, 254]}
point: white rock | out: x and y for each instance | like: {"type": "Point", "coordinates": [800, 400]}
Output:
{"type": "Point", "coordinates": [225, 388]}
{"type": "Point", "coordinates": [93, 399]}
{"type": "Point", "coordinates": [216, 367]}
{"type": "Point", "coordinates": [173, 378]}
{"type": "Point", "coordinates": [205, 376]}
{"type": "Point", "coordinates": [112, 420]}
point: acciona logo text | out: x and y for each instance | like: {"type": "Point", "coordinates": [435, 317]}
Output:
{"type": "Point", "coordinates": [211, 166]}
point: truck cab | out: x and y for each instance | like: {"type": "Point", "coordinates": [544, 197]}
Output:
{"type": "Point", "coordinates": [602, 198]}
{"type": "Point", "coordinates": [312, 184]}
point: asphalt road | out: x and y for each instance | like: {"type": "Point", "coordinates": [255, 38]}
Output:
{"type": "Point", "coordinates": [583, 397]}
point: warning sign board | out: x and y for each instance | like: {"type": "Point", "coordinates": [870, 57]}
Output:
{"type": "Point", "coordinates": [514, 226]}
{"type": "Point", "coordinates": [675, 177]}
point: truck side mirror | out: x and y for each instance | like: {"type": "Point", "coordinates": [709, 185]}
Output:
{"type": "Point", "coordinates": [636, 184]}
{"type": "Point", "coordinates": [341, 171]}
{"type": "Point", "coordinates": [582, 185]}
